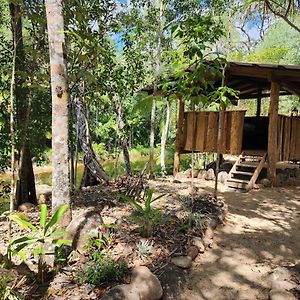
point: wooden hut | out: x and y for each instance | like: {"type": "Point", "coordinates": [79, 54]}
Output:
{"type": "Point", "coordinates": [258, 141]}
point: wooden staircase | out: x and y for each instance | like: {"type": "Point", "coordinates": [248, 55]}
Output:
{"type": "Point", "coordinates": [246, 170]}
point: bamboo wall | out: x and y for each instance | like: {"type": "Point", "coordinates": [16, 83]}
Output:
{"type": "Point", "coordinates": [288, 138]}
{"type": "Point", "coordinates": [200, 132]}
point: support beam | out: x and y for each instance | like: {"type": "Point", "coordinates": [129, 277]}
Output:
{"type": "Point", "coordinates": [273, 132]}
{"type": "Point", "coordinates": [179, 134]}
{"type": "Point", "coordinates": [258, 105]}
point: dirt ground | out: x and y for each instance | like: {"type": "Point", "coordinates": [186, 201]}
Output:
{"type": "Point", "coordinates": [262, 232]}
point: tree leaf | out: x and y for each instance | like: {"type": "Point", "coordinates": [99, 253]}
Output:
{"type": "Point", "coordinates": [57, 216]}
{"type": "Point", "coordinates": [43, 217]}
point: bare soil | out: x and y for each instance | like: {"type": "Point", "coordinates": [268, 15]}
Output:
{"type": "Point", "coordinates": [261, 232]}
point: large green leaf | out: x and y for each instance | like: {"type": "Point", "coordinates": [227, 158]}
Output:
{"type": "Point", "coordinates": [23, 223]}
{"type": "Point", "coordinates": [133, 203]}
{"type": "Point", "coordinates": [60, 242]}
{"type": "Point", "coordinates": [43, 215]}
{"type": "Point", "coordinates": [57, 216]}
{"type": "Point", "coordinates": [23, 239]}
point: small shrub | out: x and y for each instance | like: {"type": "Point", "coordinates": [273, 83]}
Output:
{"type": "Point", "coordinates": [7, 292]}
{"type": "Point", "coordinates": [102, 269]}
{"type": "Point", "coordinates": [38, 237]}
{"type": "Point", "coordinates": [144, 248]}
{"type": "Point", "coordinates": [191, 221]}
{"type": "Point", "coordinates": [147, 216]}
{"type": "Point", "coordinates": [100, 151]}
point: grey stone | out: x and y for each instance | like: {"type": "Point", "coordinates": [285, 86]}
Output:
{"type": "Point", "coordinates": [183, 262]}
{"type": "Point", "coordinates": [222, 176]}
{"type": "Point", "coordinates": [26, 207]}
{"type": "Point", "coordinates": [43, 193]}
{"type": "Point", "coordinates": [201, 174]}
{"type": "Point", "coordinates": [210, 175]}
{"type": "Point", "coordinates": [266, 182]}
{"type": "Point", "coordinates": [195, 173]}
{"type": "Point", "coordinates": [208, 237]}
{"type": "Point", "coordinates": [144, 286]}
{"type": "Point", "coordinates": [192, 252]}
{"type": "Point", "coordinates": [198, 242]}
{"type": "Point", "coordinates": [188, 173]}
{"type": "Point", "coordinates": [82, 227]}
{"type": "Point", "coordinates": [276, 294]}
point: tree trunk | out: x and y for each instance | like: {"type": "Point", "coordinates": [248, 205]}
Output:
{"type": "Point", "coordinates": [26, 185]}
{"type": "Point", "coordinates": [60, 99]}
{"type": "Point", "coordinates": [124, 142]}
{"type": "Point", "coordinates": [164, 136]}
{"type": "Point", "coordinates": [88, 179]}
{"type": "Point", "coordinates": [157, 73]}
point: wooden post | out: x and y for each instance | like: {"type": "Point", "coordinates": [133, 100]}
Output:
{"type": "Point", "coordinates": [273, 131]}
{"type": "Point", "coordinates": [179, 134]}
{"type": "Point", "coordinates": [258, 105]}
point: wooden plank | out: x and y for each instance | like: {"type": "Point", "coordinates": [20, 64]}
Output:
{"type": "Point", "coordinates": [212, 132]}
{"type": "Point", "coordinates": [223, 132]}
{"type": "Point", "coordinates": [273, 131]}
{"type": "Point", "coordinates": [237, 132]}
{"type": "Point", "coordinates": [281, 120]}
{"type": "Point", "coordinates": [201, 131]}
{"type": "Point", "coordinates": [297, 142]}
{"type": "Point", "coordinates": [191, 121]}
{"type": "Point", "coordinates": [287, 139]}
{"type": "Point", "coordinates": [228, 132]}
{"type": "Point", "coordinates": [257, 172]}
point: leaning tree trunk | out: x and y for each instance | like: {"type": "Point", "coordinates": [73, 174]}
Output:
{"type": "Point", "coordinates": [163, 142]}
{"type": "Point", "coordinates": [26, 184]}
{"type": "Point", "coordinates": [60, 113]}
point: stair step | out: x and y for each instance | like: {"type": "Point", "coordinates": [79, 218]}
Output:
{"type": "Point", "coordinates": [247, 165]}
{"type": "Point", "coordinates": [237, 180]}
{"type": "Point", "coordinates": [237, 185]}
{"type": "Point", "coordinates": [242, 173]}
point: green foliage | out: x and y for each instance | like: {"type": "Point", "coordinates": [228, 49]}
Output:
{"type": "Point", "coordinates": [6, 292]}
{"type": "Point", "coordinates": [146, 215]}
{"type": "Point", "coordinates": [193, 220]}
{"type": "Point", "coordinates": [39, 235]}
{"type": "Point", "coordinates": [102, 270]}
{"type": "Point", "coordinates": [144, 248]}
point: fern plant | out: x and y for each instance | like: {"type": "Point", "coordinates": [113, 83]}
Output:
{"type": "Point", "coordinates": [148, 216]}
{"type": "Point", "coordinates": [39, 236]}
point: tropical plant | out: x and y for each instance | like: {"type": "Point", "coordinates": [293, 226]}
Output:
{"type": "Point", "coordinates": [144, 248]}
{"type": "Point", "coordinates": [105, 269]}
{"type": "Point", "coordinates": [6, 291]}
{"type": "Point", "coordinates": [46, 233]}
{"type": "Point", "coordinates": [147, 216]}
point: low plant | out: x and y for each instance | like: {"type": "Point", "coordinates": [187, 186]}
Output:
{"type": "Point", "coordinates": [6, 291]}
{"type": "Point", "coordinates": [144, 248]}
{"type": "Point", "coordinates": [147, 216]}
{"type": "Point", "coordinates": [38, 237]}
{"type": "Point", "coordinates": [193, 220]}
{"type": "Point", "coordinates": [101, 270]}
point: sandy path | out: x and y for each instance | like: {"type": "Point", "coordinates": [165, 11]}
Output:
{"type": "Point", "coordinates": [262, 231]}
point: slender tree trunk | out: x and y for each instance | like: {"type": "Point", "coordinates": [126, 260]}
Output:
{"type": "Point", "coordinates": [60, 113]}
{"type": "Point", "coordinates": [12, 135]}
{"type": "Point", "coordinates": [157, 73]}
{"type": "Point", "coordinates": [164, 137]}
{"type": "Point", "coordinates": [124, 140]}
{"type": "Point", "coordinates": [26, 184]}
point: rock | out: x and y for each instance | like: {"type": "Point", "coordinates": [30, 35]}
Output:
{"type": "Point", "coordinates": [281, 179]}
{"type": "Point", "coordinates": [195, 173]}
{"type": "Point", "coordinates": [188, 173]}
{"type": "Point", "coordinates": [43, 193]}
{"type": "Point", "coordinates": [179, 177]}
{"type": "Point", "coordinates": [192, 191]}
{"type": "Point", "coordinates": [213, 223]}
{"type": "Point", "coordinates": [210, 175]}
{"type": "Point", "coordinates": [144, 286]}
{"type": "Point", "coordinates": [82, 227]}
{"type": "Point", "coordinates": [208, 237]}
{"type": "Point", "coordinates": [197, 241]}
{"type": "Point", "coordinates": [280, 273]}
{"type": "Point", "coordinates": [26, 206]}
{"type": "Point", "coordinates": [226, 167]}
{"type": "Point", "coordinates": [222, 177]}
{"type": "Point", "coordinates": [183, 262]}
{"type": "Point", "coordinates": [266, 182]}
{"type": "Point", "coordinates": [283, 285]}
{"type": "Point", "coordinates": [281, 295]}
{"type": "Point", "coordinates": [192, 252]}
{"type": "Point", "coordinates": [201, 174]}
